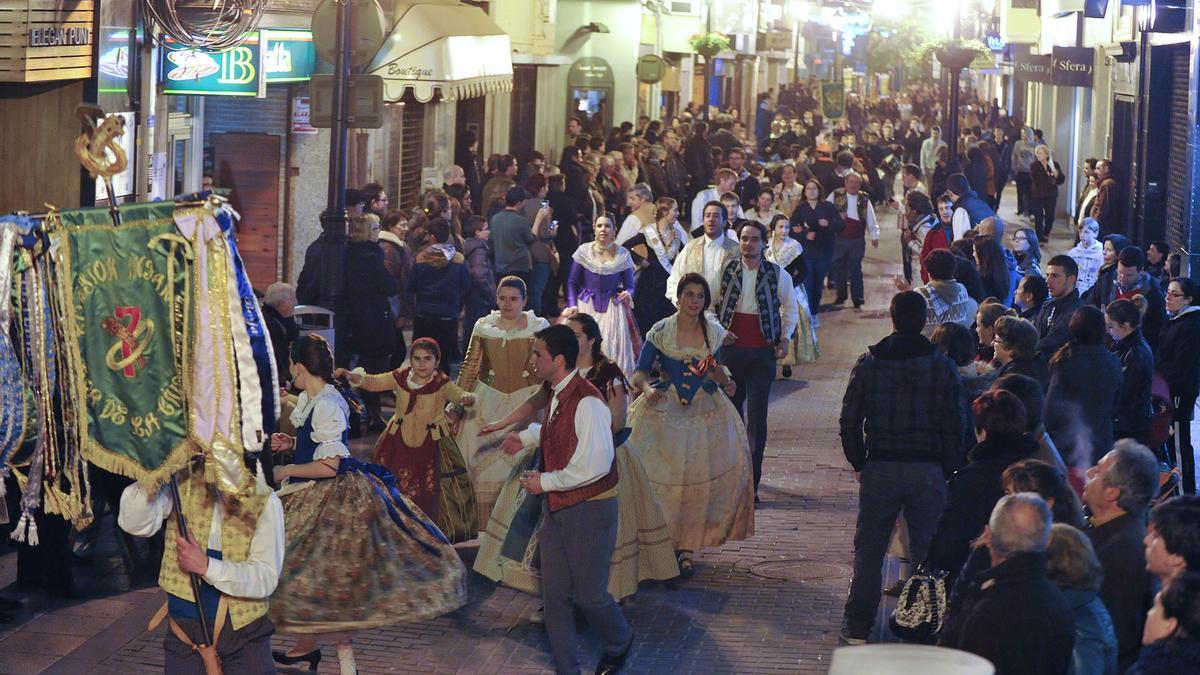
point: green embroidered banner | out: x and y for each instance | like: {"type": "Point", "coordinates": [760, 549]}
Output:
{"type": "Point", "coordinates": [124, 295]}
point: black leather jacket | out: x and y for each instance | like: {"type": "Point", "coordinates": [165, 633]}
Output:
{"type": "Point", "coordinates": [1132, 417]}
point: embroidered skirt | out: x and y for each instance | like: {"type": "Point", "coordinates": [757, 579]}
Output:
{"type": "Point", "coordinates": [487, 465]}
{"type": "Point", "coordinates": [697, 459]}
{"type": "Point", "coordinates": [803, 346]}
{"type": "Point", "coordinates": [508, 545]}
{"type": "Point", "coordinates": [360, 555]}
{"type": "Point", "coordinates": [622, 340]}
{"type": "Point", "coordinates": [434, 477]}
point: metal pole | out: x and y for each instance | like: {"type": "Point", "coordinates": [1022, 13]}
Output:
{"type": "Point", "coordinates": [195, 579]}
{"type": "Point", "coordinates": [708, 63]}
{"type": "Point", "coordinates": [334, 220]}
{"type": "Point", "coordinates": [952, 112]}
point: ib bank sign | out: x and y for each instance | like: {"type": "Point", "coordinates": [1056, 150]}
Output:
{"type": "Point", "coordinates": [266, 56]}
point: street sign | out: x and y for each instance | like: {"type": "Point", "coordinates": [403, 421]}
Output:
{"type": "Point", "coordinates": [366, 102]}
{"type": "Point", "coordinates": [366, 31]}
{"type": "Point", "coordinates": [651, 68]}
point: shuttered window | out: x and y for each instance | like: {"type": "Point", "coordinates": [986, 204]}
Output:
{"type": "Point", "coordinates": [1178, 189]}
{"type": "Point", "coordinates": [412, 141]}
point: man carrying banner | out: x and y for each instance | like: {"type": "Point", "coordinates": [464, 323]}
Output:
{"type": "Point", "coordinates": [235, 544]}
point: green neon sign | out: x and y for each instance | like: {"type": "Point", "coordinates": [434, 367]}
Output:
{"type": "Point", "coordinates": [288, 55]}
{"type": "Point", "coordinates": [236, 71]}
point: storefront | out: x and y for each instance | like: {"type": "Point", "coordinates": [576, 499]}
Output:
{"type": "Point", "coordinates": [46, 70]}
{"type": "Point", "coordinates": [438, 62]}
{"type": "Point", "coordinates": [230, 117]}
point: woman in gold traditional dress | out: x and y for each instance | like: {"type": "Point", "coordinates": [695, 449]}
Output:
{"type": "Point", "coordinates": [359, 554]}
{"type": "Point", "coordinates": [689, 436]}
{"type": "Point", "coordinates": [417, 446]}
{"type": "Point", "coordinates": [497, 371]}
{"type": "Point", "coordinates": [508, 545]}
{"type": "Point", "coordinates": [788, 254]}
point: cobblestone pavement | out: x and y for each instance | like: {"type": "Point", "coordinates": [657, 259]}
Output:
{"type": "Point", "coordinates": [769, 604]}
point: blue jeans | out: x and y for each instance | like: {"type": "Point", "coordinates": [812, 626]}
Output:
{"type": "Point", "coordinates": [919, 488]}
{"type": "Point", "coordinates": [814, 282]}
{"type": "Point", "coordinates": [538, 278]}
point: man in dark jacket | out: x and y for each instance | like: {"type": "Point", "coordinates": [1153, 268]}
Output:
{"type": "Point", "coordinates": [902, 445]}
{"type": "Point", "coordinates": [277, 307]}
{"type": "Point", "coordinates": [1030, 295]}
{"type": "Point", "coordinates": [969, 209]}
{"type": "Point", "coordinates": [723, 138]}
{"type": "Point", "coordinates": [698, 159]}
{"type": "Point", "coordinates": [1106, 207]}
{"type": "Point", "coordinates": [1054, 321]}
{"type": "Point", "coordinates": [1132, 279]}
{"type": "Point", "coordinates": [1013, 615]}
{"type": "Point", "coordinates": [1118, 492]}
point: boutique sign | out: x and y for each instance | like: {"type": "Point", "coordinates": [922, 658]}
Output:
{"type": "Point", "coordinates": [1073, 66]}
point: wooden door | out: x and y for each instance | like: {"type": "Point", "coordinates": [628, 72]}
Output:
{"type": "Point", "coordinates": [248, 164]}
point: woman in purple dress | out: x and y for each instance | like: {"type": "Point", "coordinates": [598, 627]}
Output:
{"type": "Point", "coordinates": [601, 284]}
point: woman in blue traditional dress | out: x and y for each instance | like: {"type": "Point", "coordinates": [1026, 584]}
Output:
{"type": "Point", "coordinates": [359, 554]}
{"type": "Point", "coordinates": [691, 440]}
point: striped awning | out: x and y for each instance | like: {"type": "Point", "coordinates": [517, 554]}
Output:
{"type": "Point", "coordinates": [443, 46]}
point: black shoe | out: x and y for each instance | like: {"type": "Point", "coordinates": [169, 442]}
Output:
{"type": "Point", "coordinates": [787, 371]}
{"type": "Point", "coordinates": [858, 304]}
{"type": "Point", "coordinates": [7, 605]}
{"type": "Point", "coordinates": [686, 569]}
{"type": "Point", "coordinates": [839, 301]}
{"type": "Point", "coordinates": [313, 658]}
{"type": "Point", "coordinates": [612, 664]}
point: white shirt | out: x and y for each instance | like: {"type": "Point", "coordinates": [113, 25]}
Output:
{"type": "Point", "coordinates": [629, 229]}
{"type": "Point", "coordinates": [789, 312]}
{"type": "Point", "coordinates": [330, 418]}
{"type": "Point", "coordinates": [961, 222]}
{"type": "Point", "coordinates": [594, 454]}
{"type": "Point", "coordinates": [702, 198]}
{"type": "Point", "coordinates": [852, 212]}
{"type": "Point", "coordinates": [254, 578]}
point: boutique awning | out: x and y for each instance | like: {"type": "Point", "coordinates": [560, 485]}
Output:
{"type": "Point", "coordinates": [446, 46]}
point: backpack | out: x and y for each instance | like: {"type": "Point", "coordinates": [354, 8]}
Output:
{"type": "Point", "coordinates": [921, 610]}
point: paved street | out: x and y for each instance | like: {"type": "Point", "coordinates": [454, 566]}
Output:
{"type": "Point", "coordinates": [770, 604]}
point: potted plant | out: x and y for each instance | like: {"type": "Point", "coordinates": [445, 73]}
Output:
{"type": "Point", "coordinates": [709, 45]}
{"type": "Point", "coordinates": [956, 52]}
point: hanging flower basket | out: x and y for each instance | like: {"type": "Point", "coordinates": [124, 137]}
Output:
{"type": "Point", "coordinates": [959, 53]}
{"type": "Point", "coordinates": [709, 45]}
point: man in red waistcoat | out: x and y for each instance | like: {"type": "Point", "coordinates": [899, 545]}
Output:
{"type": "Point", "coordinates": [756, 302]}
{"type": "Point", "coordinates": [579, 512]}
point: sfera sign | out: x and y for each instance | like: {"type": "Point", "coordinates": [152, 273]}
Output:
{"type": "Point", "coordinates": [1073, 66]}
{"type": "Point", "coordinates": [59, 37]}
{"type": "Point", "coordinates": [1033, 68]}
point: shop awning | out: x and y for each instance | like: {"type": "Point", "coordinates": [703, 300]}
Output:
{"type": "Point", "coordinates": [446, 46]}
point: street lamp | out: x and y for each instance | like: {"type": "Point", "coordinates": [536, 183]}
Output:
{"type": "Point", "coordinates": [954, 60]}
